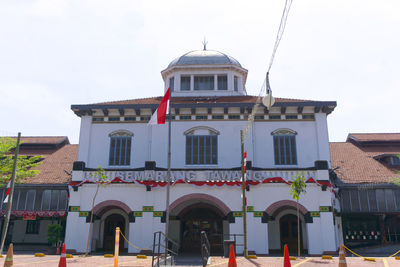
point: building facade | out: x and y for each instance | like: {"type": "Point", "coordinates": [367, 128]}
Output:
{"type": "Point", "coordinates": [41, 200]}
{"type": "Point", "coordinates": [209, 107]}
{"type": "Point", "coordinates": [365, 172]}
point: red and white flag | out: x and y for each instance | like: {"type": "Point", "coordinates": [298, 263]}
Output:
{"type": "Point", "coordinates": [160, 115]}
{"type": "Point", "coordinates": [7, 191]}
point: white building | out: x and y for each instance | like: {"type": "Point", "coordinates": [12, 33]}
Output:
{"type": "Point", "coordinates": [209, 108]}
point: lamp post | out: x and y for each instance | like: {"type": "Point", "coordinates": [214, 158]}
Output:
{"type": "Point", "coordinates": [268, 101]}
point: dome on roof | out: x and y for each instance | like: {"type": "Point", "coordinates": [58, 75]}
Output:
{"type": "Point", "coordinates": [204, 57]}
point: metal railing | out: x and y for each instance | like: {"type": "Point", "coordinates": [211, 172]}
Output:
{"type": "Point", "coordinates": [205, 248]}
{"type": "Point", "coordinates": [162, 254]}
{"type": "Point", "coordinates": [228, 237]}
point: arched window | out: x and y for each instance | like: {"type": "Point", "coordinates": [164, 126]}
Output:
{"type": "Point", "coordinates": [120, 148]}
{"type": "Point", "coordinates": [285, 147]}
{"type": "Point", "coordinates": [201, 146]}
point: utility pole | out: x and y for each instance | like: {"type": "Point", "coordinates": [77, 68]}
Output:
{"type": "Point", "coordinates": [244, 202]}
{"type": "Point", "coordinates": [10, 196]}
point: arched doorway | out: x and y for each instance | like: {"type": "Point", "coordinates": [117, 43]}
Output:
{"type": "Point", "coordinates": [288, 232]}
{"type": "Point", "coordinates": [197, 218]}
{"type": "Point", "coordinates": [190, 214]}
{"type": "Point", "coordinates": [110, 224]}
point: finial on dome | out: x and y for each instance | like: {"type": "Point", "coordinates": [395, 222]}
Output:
{"type": "Point", "coordinates": [205, 44]}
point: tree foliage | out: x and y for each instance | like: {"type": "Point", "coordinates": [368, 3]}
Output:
{"type": "Point", "coordinates": [25, 164]}
{"type": "Point", "coordinates": [298, 186]}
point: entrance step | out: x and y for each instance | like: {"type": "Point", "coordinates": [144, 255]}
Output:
{"type": "Point", "coordinates": [188, 260]}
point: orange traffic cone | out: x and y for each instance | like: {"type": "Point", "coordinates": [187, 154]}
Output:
{"type": "Point", "coordinates": [286, 259]}
{"type": "Point", "coordinates": [342, 256]}
{"type": "Point", "coordinates": [232, 258]}
{"type": "Point", "coordinates": [9, 257]}
{"type": "Point", "coordinates": [63, 260]}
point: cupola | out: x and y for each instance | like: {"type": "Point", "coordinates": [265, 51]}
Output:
{"type": "Point", "coordinates": [205, 73]}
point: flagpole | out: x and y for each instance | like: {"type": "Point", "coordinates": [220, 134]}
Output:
{"type": "Point", "coordinates": [168, 177]}
{"type": "Point", "coordinates": [10, 196]}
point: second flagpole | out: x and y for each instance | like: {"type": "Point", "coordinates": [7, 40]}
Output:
{"type": "Point", "coordinates": [168, 177]}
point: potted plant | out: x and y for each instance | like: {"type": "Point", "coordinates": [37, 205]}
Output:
{"type": "Point", "coordinates": [54, 235]}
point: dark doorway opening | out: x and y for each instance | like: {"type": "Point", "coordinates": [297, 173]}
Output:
{"type": "Point", "coordinates": [196, 219]}
{"type": "Point", "coordinates": [110, 224]}
{"type": "Point", "coordinates": [288, 230]}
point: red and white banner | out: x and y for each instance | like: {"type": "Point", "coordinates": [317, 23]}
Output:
{"type": "Point", "coordinates": [160, 115]}
{"type": "Point", "coordinates": [7, 191]}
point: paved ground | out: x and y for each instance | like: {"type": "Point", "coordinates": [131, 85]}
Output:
{"type": "Point", "coordinates": [100, 261]}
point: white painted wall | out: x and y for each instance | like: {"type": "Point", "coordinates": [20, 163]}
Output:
{"type": "Point", "coordinates": [149, 143]}
{"type": "Point", "coordinates": [141, 232]}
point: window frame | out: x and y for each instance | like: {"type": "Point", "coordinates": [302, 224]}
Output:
{"type": "Point", "coordinates": [212, 83]}
{"type": "Point", "coordinates": [123, 139]}
{"type": "Point", "coordinates": [206, 147]}
{"type": "Point", "coordinates": [32, 227]}
{"type": "Point", "coordinates": [183, 77]}
{"type": "Point", "coordinates": [285, 147]}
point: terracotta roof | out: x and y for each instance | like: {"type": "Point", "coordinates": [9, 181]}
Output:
{"type": "Point", "coordinates": [354, 165]}
{"type": "Point", "coordinates": [199, 99]}
{"type": "Point", "coordinates": [42, 139]}
{"type": "Point", "coordinates": [53, 166]}
{"type": "Point", "coordinates": [377, 137]}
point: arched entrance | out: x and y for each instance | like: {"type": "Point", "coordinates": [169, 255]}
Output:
{"type": "Point", "coordinates": [111, 222]}
{"type": "Point", "coordinates": [109, 215]}
{"type": "Point", "coordinates": [193, 213]}
{"type": "Point", "coordinates": [282, 228]}
{"type": "Point", "coordinates": [195, 219]}
{"type": "Point", "coordinates": [288, 232]}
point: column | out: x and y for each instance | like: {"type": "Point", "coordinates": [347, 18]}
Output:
{"type": "Point", "coordinates": [84, 139]}
{"type": "Point", "coordinates": [257, 233]}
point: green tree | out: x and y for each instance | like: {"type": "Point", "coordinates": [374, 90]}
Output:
{"type": "Point", "coordinates": [100, 178]}
{"type": "Point", "coordinates": [297, 188]}
{"type": "Point", "coordinates": [25, 164]}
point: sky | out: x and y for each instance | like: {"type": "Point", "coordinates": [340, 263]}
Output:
{"type": "Point", "coordinates": [55, 53]}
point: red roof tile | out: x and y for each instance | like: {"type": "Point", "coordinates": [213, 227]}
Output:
{"type": "Point", "coordinates": [379, 137]}
{"type": "Point", "coordinates": [199, 99]}
{"type": "Point", "coordinates": [355, 165]}
{"type": "Point", "coordinates": [53, 166]}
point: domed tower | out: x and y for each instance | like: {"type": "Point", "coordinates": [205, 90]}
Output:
{"type": "Point", "coordinates": [205, 73]}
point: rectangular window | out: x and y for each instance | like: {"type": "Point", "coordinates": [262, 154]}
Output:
{"type": "Point", "coordinates": [63, 201]}
{"type": "Point", "coordinates": [120, 150]}
{"type": "Point", "coordinates": [274, 117]}
{"type": "Point", "coordinates": [236, 83]}
{"type": "Point", "coordinates": [395, 161]}
{"type": "Point", "coordinates": [54, 199]}
{"type": "Point", "coordinates": [201, 149]}
{"type": "Point", "coordinates": [30, 200]}
{"type": "Point", "coordinates": [185, 83]}
{"type": "Point", "coordinates": [97, 119]}
{"type": "Point", "coordinates": [185, 117]}
{"type": "Point", "coordinates": [308, 116]}
{"type": "Point", "coordinates": [222, 82]}
{"type": "Point", "coordinates": [22, 200]}
{"type": "Point", "coordinates": [171, 84]}
{"type": "Point", "coordinates": [113, 119]}
{"type": "Point", "coordinates": [201, 117]}
{"type": "Point", "coordinates": [234, 117]}
{"type": "Point", "coordinates": [291, 117]}
{"type": "Point", "coordinates": [145, 118]}
{"type": "Point", "coordinates": [203, 83]}
{"type": "Point", "coordinates": [130, 118]}
{"type": "Point", "coordinates": [46, 199]}
{"type": "Point", "coordinates": [32, 227]}
{"type": "Point", "coordinates": [218, 117]}
{"type": "Point", "coordinates": [259, 117]}
{"type": "Point", "coordinates": [285, 150]}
